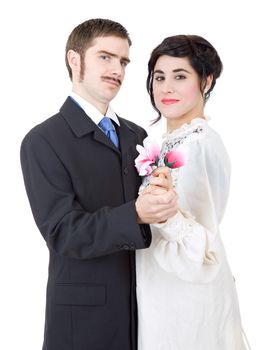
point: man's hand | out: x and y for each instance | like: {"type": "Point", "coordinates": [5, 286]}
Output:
{"type": "Point", "coordinates": [154, 207]}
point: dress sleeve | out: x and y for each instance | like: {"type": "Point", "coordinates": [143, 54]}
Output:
{"type": "Point", "coordinates": [188, 245]}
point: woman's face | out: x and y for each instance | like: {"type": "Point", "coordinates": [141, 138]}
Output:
{"type": "Point", "coordinates": [176, 90]}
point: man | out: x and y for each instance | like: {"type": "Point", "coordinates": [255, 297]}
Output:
{"type": "Point", "coordinates": [82, 186]}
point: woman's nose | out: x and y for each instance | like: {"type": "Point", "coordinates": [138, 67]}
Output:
{"type": "Point", "coordinates": [167, 87]}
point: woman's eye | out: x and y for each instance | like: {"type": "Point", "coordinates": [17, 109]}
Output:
{"type": "Point", "coordinates": [180, 77]}
{"type": "Point", "coordinates": [159, 78]}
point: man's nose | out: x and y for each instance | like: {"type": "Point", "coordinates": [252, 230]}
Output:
{"type": "Point", "coordinates": [117, 68]}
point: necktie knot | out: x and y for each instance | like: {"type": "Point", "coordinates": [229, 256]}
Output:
{"type": "Point", "coordinates": [107, 126]}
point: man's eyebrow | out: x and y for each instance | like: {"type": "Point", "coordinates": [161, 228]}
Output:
{"type": "Point", "coordinates": [125, 59]}
{"type": "Point", "coordinates": [174, 71]}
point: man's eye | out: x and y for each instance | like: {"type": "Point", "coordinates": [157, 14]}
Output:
{"type": "Point", "coordinates": [105, 57]}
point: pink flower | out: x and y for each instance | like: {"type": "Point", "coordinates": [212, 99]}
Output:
{"type": "Point", "coordinates": [148, 157]}
{"type": "Point", "coordinates": [174, 159]}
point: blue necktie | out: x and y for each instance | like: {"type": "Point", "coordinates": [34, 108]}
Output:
{"type": "Point", "coordinates": [109, 130]}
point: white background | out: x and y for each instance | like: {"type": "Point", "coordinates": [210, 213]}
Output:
{"type": "Point", "coordinates": [35, 83]}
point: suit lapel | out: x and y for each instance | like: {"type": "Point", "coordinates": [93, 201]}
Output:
{"type": "Point", "coordinates": [82, 125]}
{"type": "Point", "coordinates": [127, 137]}
{"type": "Point", "coordinates": [99, 136]}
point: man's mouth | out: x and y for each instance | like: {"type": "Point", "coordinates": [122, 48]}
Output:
{"type": "Point", "coordinates": [114, 81]}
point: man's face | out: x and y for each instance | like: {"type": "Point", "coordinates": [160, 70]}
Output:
{"type": "Point", "coordinates": [103, 71]}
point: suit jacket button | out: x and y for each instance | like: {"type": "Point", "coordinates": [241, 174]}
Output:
{"type": "Point", "coordinates": [132, 246]}
{"type": "Point", "coordinates": [125, 171]}
{"type": "Point", "coordinates": [125, 247]}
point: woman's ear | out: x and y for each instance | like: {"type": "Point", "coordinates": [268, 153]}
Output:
{"type": "Point", "coordinates": [208, 84]}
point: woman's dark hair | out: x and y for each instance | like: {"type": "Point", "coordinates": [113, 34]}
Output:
{"type": "Point", "coordinates": [202, 56]}
{"type": "Point", "coordinates": [82, 37]}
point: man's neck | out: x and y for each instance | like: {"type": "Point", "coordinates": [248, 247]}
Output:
{"type": "Point", "coordinates": [101, 107]}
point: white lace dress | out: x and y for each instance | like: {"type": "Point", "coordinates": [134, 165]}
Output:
{"type": "Point", "coordinates": [185, 289]}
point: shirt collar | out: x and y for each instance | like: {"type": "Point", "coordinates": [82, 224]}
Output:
{"type": "Point", "coordinates": [92, 111]}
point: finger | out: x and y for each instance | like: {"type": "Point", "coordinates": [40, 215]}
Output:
{"type": "Point", "coordinates": [164, 215]}
{"type": "Point", "coordinates": [171, 196]}
{"type": "Point", "coordinates": [163, 170]}
{"type": "Point", "coordinates": [168, 198]}
{"type": "Point", "coordinates": [161, 182]}
{"type": "Point", "coordinates": [147, 189]}
{"type": "Point", "coordinates": [158, 200]}
{"type": "Point", "coordinates": [157, 191]}
{"type": "Point", "coordinates": [153, 190]}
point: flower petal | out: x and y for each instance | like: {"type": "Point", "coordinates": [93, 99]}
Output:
{"type": "Point", "coordinates": [175, 158]}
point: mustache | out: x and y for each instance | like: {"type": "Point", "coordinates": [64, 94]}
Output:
{"type": "Point", "coordinates": [118, 81]}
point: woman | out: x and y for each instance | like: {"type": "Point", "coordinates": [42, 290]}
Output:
{"type": "Point", "coordinates": [186, 292]}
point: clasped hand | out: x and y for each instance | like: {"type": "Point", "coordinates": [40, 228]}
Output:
{"type": "Point", "coordinates": [158, 201]}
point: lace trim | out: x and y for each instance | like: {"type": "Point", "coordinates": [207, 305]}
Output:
{"type": "Point", "coordinates": [178, 225]}
{"type": "Point", "coordinates": [170, 144]}
{"type": "Point", "coordinates": [187, 127]}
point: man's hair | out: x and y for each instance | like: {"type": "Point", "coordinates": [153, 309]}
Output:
{"type": "Point", "coordinates": [82, 36]}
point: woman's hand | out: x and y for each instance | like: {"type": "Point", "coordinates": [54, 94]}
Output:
{"type": "Point", "coordinates": [162, 178]}
{"type": "Point", "coordinates": [160, 182]}
{"type": "Point", "coordinates": [158, 201]}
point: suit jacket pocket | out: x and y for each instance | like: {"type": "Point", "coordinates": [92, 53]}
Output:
{"type": "Point", "coordinates": [79, 294]}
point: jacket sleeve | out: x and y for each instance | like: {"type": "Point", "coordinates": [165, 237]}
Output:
{"type": "Point", "coordinates": [68, 229]}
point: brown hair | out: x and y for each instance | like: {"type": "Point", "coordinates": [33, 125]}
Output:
{"type": "Point", "coordinates": [81, 38]}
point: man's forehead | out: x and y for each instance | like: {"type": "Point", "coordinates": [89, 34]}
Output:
{"type": "Point", "coordinates": [109, 40]}
{"type": "Point", "coordinates": [113, 45]}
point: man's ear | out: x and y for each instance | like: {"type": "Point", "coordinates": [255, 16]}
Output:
{"type": "Point", "coordinates": [74, 61]}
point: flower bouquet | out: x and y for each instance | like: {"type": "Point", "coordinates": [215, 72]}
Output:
{"type": "Point", "coordinates": [150, 158]}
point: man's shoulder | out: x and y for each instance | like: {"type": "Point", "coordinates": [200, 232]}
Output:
{"type": "Point", "coordinates": [46, 125]}
{"type": "Point", "coordinates": [53, 124]}
{"type": "Point", "coordinates": [48, 130]}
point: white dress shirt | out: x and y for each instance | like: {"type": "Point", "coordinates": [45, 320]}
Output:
{"type": "Point", "coordinates": [92, 111]}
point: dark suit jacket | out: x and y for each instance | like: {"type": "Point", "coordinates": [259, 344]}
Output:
{"type": "Point", "coordinates": [82, 192]}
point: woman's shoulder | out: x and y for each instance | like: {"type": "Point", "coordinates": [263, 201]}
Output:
{"type": "Point", "coordinates": [212, 140]}
{"type": "Point", "coordinates": [184, 135]}
{"type": "Point", "coordinates": [213, 150]}
{"type": "Point", "coordinates": [198, 139]}
{"type": "Point", "coordinates": [196, 133]}
{"type": "Point", "coordinates": [201, 133]}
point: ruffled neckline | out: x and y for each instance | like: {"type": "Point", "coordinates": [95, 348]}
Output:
{"type": "Point", "coordinates": [185, 127]}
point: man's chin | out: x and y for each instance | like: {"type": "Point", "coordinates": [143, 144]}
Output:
{"type": "Point", "coordinates": [111, 93]}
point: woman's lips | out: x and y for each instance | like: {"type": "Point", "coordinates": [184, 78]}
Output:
{"type": "Point", "coordinates": [169, 101]}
